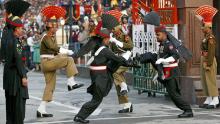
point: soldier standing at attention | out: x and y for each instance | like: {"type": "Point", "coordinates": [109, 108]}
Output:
{"type": "Point", "coordinates": [53, 58]}
{"type": "Point", "coordinates": [208, 65]}
{"type": "Point", "coordinates": [15, 81]}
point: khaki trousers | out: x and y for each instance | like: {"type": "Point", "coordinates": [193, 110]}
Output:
{"type": "Point", "coordinates": [49, 67]}
{"type": "Point", "coordinates": [208, 78]}
{"type": "Point", "coordinates": [119, 77]}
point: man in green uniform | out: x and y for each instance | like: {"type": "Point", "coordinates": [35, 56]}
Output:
{"type": "Point", "coordinates": [122, 45]}
{"type": "Point", "coordinates": [208, 65]}
{"type": "Point", "coordinates": [53, 58]}
{"type": "Point", "coordinates": [14, 75]}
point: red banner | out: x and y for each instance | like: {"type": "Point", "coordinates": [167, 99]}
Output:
{"type": "Point", "coordinates": [88, 9]}
{"type": "Point", "coordinates": [76, 11]}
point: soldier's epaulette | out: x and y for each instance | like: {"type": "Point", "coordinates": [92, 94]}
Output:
{"type": "Point", "coordinates": [167, 41]}
{"type": "Point", "coordinates": [211, 37]}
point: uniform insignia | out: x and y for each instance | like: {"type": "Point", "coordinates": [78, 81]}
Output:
{"type": "Point", "coordinates": [19, 48]}
{"type": "Point", "coordinates": [126, 38]}
{"type": "Point", "coordinates": [161, 49]}
{"type": "Point", "coordinates": [171, 47]}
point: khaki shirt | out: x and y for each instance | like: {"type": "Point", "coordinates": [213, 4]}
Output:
{"type": "Point", "coordinates": [208, 45]}
{"type": "Point", "coordinates": [49, 45]}
{"type": "Point", "coordinates": [127, 43]}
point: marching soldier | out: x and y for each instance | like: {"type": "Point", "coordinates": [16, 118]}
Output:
{"type": "Point", "coordinates": [208, 65]}
{"type": "Point", "coordinates": [100, 73]}
{"type": "Point", "coordinates": [167, 61]}
{"type": "Point", "coordinates": [101, 69]}
{"type": "Point", "coordinates": [53, 58]}
{"type": "Point", "coordinates": [121, 44]}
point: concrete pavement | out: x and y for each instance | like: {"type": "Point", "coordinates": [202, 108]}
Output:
{"type": "Point", "coordinates": [147, 110]}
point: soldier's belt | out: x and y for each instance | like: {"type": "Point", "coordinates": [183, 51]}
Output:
{"type": "Point", "coordinates": [97, 68]}
{"type": "Point", "coordinates": [204, 53]}
{"type": "Point", "coordinates": [171, 65]}
{"type": "Point", "coordinates": [46, 56]}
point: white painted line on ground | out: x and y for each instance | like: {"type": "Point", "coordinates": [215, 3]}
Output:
{"type": "Point", "coordinates": [74, 109]}
{"type": "Point", "coordinates": [101, 119]}
{"type": "Point", "coordinates": [170, 107]}
{"type": "Point", "coordinates": [118, 118]}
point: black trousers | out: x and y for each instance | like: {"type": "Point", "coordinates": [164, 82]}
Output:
{"type": "Point", "coordinates": [173, 90]}
{"type": "Point", "coordinates": [15, 108]}
{"type": "Point", "coordinates": [89, 107]}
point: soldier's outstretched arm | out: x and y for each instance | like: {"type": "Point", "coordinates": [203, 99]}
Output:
{"type": "Point", "coordinates": [111, 56]}
{"type": "Point", "coordinates": [90, 45]}
{"type": "Point", "coordinates": [147, 57]}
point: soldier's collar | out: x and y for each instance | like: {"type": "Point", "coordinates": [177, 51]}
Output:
{"type": "Point", "coordinates": [208, 34]}
{"type": "Point", "coordinates": [164, 42]}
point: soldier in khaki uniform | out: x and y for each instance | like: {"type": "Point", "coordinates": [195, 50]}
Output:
{"type": "Point", "coordinates": [208, 65]}
{"type": "Point", "coordinates": [53, 58]}
{"type": "Point", "coordinates": [122, 45]}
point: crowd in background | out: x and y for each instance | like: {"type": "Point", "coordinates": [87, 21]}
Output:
{"type": "Point", "coordinates": [82, 27]}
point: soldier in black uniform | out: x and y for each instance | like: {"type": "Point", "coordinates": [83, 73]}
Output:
{"type": "Point", "coordinates": [167, 61]}
{"type": "Point", "coordinates": [100, 72]}
{"type": "Point", "coordinates": [14, 76]}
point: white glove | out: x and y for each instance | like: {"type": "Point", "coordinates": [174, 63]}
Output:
{"type": "Point", "coordinates": [160, 60]}
{"type": "Point", "coordinates": [114, 40]}
{"type": "Point", "coordinates": [63, 50]}
{"type": "Point", "coordinates": [168, 60]}
{"type": "Point", "coordinates": [70, 52]}
{"type": "Point", "coordinates": [126, 55]}
{"type": "Point", "coordinates": [165, 61]}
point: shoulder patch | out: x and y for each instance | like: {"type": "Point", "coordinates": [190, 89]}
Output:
{"type": "Point", "coordinates": [170, 47]}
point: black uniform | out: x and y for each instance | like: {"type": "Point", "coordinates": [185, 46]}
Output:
{"type": "Point", "coordinates": [166, 49]}
{"type": "Point", "coordinates": [102, 80]}
{"type": "Point", "coordinates": [14, 71]}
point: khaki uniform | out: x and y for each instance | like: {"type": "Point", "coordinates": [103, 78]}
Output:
{"type": "Point", "coordinates": [50, 65]}
{"type": "Point", "coordinates": [119, 75]}
{"type": "Point", "coordinates": [208, 77]}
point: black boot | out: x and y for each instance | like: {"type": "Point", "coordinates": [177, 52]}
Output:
{"type": "Point", "coordinates": [81, 120]}
{"type": "Point", "coordinates": [74, 86]}
{"type": "Point", "coordinates": [186, 114]}
{"type": "Point", "coordinates": [127, 110]}
{"type": "Point", "coordinates": [203, 106]}
{"type": "Point", "coordinates": [212, 106]}
{"type": "Point", "coordinates": [40, 115]}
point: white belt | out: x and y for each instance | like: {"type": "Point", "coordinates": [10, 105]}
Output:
{"type": "Point", "coordinates": [46, 56]}
{"type": "Point", "coordinates": [171, 65]}
{"type": "Point", "coordinates": [98, 67]}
